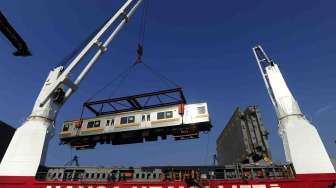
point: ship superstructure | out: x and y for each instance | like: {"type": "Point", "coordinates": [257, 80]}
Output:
{"type": "Point", "coordinates": [244, 139]}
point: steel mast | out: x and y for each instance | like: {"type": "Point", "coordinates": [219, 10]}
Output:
{"type": "Point", "coordinates": [28, 147]}
{"type": "Point", "coordinates": [302, 143]}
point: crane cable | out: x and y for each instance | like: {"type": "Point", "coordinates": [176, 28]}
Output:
{"type": "Point", "coordinates": [138, 61]}
{"type": "Point", "coordinates": [124, 74]}
{"type": "Point", "coordinates": [161, 76]}
{"type": "Point", "coordinates": [143, 23]}
{"type": "Point", "coordinates": [140, 49]}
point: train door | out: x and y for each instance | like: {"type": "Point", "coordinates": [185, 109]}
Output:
{"type": "Point", "coordinates": [145, 120]}
{"type": "Point", "coordinates": [187, 117]}
{"type": "Point", "coordinates": [68, 127]}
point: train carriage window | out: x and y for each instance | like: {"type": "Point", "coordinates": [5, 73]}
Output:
{"type": "Point", "coordinates": [131, 119]}
{"type": "Point", "coordinates": [164, 115]}
{"type": "Point", "coordinates": [160, 115]}
{"type": "Point", "coordinates": [143, 118]}
{"type": "Point", "coordinates": [90, 124]}
{"type": "Point", "coordinates": [169, 114]}
{"type": "Point", "coordinates": [201, 110]}
{"type": "Point", "coordinates": [97, 124]}
{"type": "Point", "coordinates": [148, 117]}
{"type": "Point", "coordinates": [128, 119]}
{"type": "Point", "coordinates": [123, 120]}
{"type": "Point", "coordinates": [112, 122]}
{"type": "Point", "coordinates": [107, 123]}
{"type": "Point", "coordinates": [65, 127]}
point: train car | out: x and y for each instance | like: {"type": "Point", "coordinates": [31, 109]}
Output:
{"type": "Point", "coordinates": [130, 125]}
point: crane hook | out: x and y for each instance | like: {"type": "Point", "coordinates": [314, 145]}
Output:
{"type": "Point", "coordinates": [139, 54]}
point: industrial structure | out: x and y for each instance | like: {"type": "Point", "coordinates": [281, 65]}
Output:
{"type": "Point", "coordinates": [299, 136]}
{"type": "Point", "coordinates": [23, 165]}
{"type": "Point", "coordinates": [244, 139]}
{"type": "Point", "coordinates": [12, 35]}
{"type": "Point", "coordinates": [193, 175]}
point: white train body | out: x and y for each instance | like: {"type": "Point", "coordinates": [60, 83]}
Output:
{"type": "Point", "coordinates": [162, 119]}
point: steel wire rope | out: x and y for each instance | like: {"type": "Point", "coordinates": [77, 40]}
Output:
{"type": "Point", "coordinates": [121, 81]}
{"type": "Point", "coordinates": [142, 32]}
{"type": "Point", "coordinates": [123, 75]}
{"type": "Point", "coordinates": [143, 23]}
{"type": "Point", "coordinates": [161, 76]}
{"type": "Point", "coordinates": [141, 38]}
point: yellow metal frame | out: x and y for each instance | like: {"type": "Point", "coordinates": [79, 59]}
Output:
{"type": "Point", "coordinates": [133, 113]}
{"type": "Point", "coordinates": [65, 133]}
{"type": "Point", "coordinates": [202, 116]}
{"type": "Point", "coordinates": [127, 125]}
{"type": "Point", "coordinates": [164, 120]}
{"type": "Point", "coordinates": [92, 129]}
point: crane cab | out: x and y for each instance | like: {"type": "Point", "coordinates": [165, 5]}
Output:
{"type": "Point", "coordinates": [139, 122]}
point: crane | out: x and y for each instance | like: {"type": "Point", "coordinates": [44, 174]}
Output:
{"type": "Point", "coordinates": [28, 147]}
{"type": "Point", "coordinates": [302, 143]}
{"type": "Point", "coordinates": [13, 37]}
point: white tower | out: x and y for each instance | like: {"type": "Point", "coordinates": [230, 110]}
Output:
{"type": "Point", "coordinates": [302, 143]}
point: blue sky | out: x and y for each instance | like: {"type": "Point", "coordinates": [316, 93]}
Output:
{"type": "Point", "coordinates": [205, 46]}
